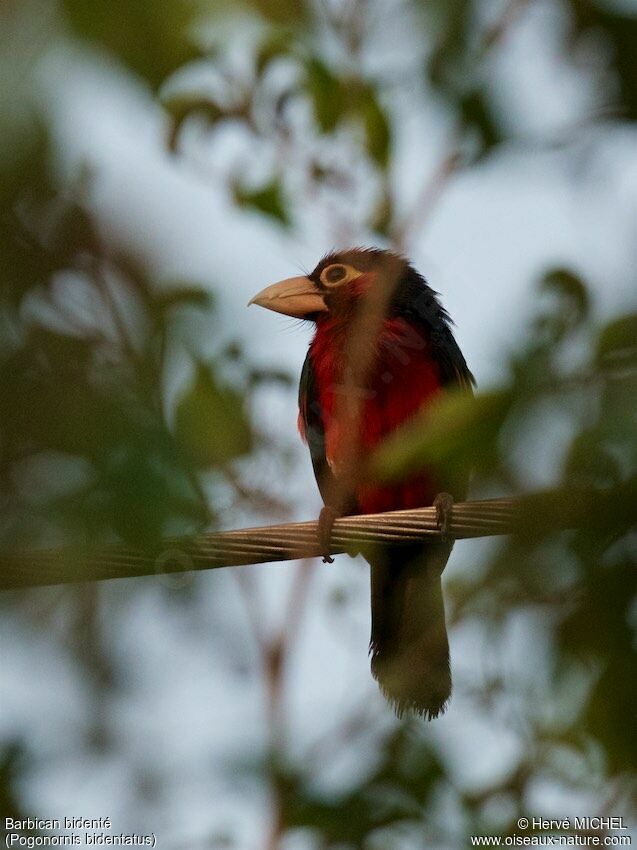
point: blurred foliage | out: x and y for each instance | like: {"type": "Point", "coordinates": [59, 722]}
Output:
{"type": "Point", "coordinates": [152, 37]}
{"type": "Point", "coordinates": [84, 349]}
{"type": "Point", "coordinates": [299, 94]}
{"type": "Point", "coordinates": [209, 423]}
{"type": "Point", "coordinates": [91, 446]}
{"type": "Point", "coordinates": [616, 25]}
{"type": "Point", "coordinates": [267, 199]}
{"type": "Point", "coordinates": [12, 760]}
{"type": "Point", "coordinates": [99, 440]}
{"type": "Point", "coordinates": [398, 791]}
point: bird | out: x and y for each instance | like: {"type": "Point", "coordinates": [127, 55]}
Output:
{"type": "Point", "coordinates": [382, 351]}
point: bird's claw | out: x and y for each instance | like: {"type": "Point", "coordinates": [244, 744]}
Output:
{"type": "Point", "coordinates": [443, 503]}
{"type": "Point", "coordinates": [325, 525]}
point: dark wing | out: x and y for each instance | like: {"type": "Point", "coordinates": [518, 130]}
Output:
{"type": "Point", "coordinates": [453, 366]}
{"type": "Point", "coordinates": [421, 307]}
{"type": "Point", "coordinates": [426, 312]}
{"type": "Point", "coordinates": [312, 422]}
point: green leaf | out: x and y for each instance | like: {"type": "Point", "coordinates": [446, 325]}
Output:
{"type": "Point", "coordinates": [617, 341]}
{"type": "Point", "coordinates": [477, 114]}
{"type": "Point", "coordinates": [272, 48]}
{"type": "Point", "coordinates": [210, 423]}
{"type": "Point", "coordinates": [183, 106]}
{"type": "Point", "coordinates": [327, 94]}
{"type": "Point", "coordinates": [568, 306]}
{"type": "Point", "coordinates": [186, 296]}
{"type": "Point", "coordinates": [150, 36]}
{"type": "Point", "coordinates": [377, 128]}
{"type": "Point", "coordinates": [382, 216]}
{"type": "Point", "coordinates": [289, 13]}
{"type": "Point", "coordinates": [456, 433]}
{"type": "Point", "coordinates": [180, 106]}
{"type": "Point", "coordinates": [616, 24]}
{"type": "Point", "coordinates": [449, 58]}
{"type": "Point", "coordinates": [598, 629]}
{"type": "Point", "coordinates": [268, 200]}
{"type": "Point", "coordinates": [571, 292]}
{"type": "Point", "coordinates": [589, 463]}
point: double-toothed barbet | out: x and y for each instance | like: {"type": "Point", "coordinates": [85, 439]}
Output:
{"type": "Point", "coordinates": [382, 341]}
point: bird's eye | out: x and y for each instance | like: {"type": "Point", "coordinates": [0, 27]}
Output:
{"type": "Point", "coordinates": [334, 274]}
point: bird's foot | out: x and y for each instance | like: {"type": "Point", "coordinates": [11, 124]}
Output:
{"type": "Point", "coordinates": [443, 503]}
{"type": "Point", "coordinates": [325, 525]}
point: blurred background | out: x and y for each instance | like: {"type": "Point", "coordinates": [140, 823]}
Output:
{"type": "Point", "coordinates": [160, 162]}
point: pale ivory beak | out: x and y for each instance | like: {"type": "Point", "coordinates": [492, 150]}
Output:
{"type": "Point", "coordinates": [295, 296]}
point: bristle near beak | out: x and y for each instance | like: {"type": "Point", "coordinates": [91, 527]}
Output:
{"type": "Point", "coordinates": [296, 296]}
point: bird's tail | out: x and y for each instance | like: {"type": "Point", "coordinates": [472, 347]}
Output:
{"type": "Point", "coordinates": [409, 645]}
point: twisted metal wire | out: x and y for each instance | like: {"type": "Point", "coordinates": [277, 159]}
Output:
{"type": "Point", "coordinates": [251, 545]}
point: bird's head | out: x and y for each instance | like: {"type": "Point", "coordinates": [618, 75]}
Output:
{"type": "Point", "coordinates": [339, 282]}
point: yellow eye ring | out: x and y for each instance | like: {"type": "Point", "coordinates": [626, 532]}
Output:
{"type": "Point", "coordinates": [337, 274]}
